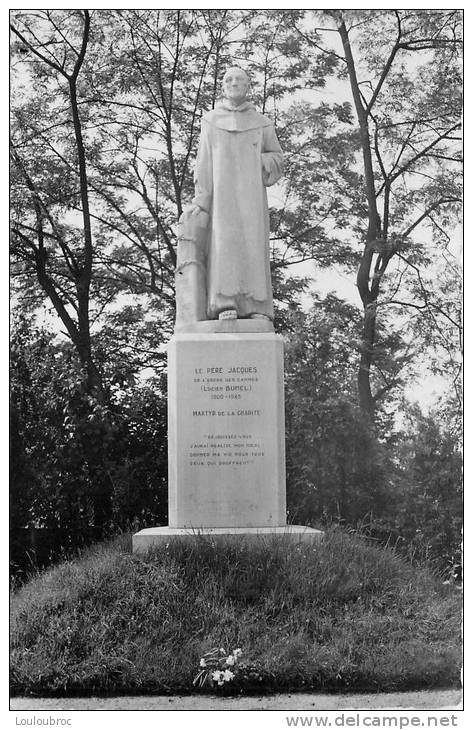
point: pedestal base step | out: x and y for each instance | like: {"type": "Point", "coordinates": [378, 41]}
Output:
{"type": "Point", "coordinates": [145, 539]}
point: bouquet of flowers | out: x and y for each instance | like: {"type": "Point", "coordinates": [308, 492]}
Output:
{"type": "Point", "coordinates": [217, 667]}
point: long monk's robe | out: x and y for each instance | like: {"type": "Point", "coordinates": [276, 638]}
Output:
{"type": "Point", "coordinates": [239, 156]}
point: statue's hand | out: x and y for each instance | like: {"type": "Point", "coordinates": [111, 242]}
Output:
{"type": "Point", "coordinates": [191, 211]}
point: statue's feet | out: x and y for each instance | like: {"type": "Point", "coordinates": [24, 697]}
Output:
{"type": "Point", "coordinates": [261, 316]}
{"type": "Point", "coordinates": [228, 314]}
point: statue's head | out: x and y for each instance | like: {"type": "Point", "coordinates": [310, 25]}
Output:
{"type": "Point", "coordinates": [235, 85]}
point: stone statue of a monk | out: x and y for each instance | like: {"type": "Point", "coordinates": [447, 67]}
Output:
{"type": "Point", "coordinates": [239, 157]}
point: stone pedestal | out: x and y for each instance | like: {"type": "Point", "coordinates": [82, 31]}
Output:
{"type": "Point", "coordinates": [154, 536]}
{"type": "Point", "coordinates": [226, 435]}
{"type": "Point", "coordinates": [226, 430]}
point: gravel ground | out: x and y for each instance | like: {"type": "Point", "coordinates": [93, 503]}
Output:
{"type": "Point", "coordinates": [431, 700]}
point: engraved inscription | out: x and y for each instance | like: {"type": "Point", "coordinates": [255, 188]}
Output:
{"type": "Point", "coordinates": [226, 450]}
{"type": "Point", "coordinates": [226, 383]}
{"type": "Point", "coordinates": [221, 448]}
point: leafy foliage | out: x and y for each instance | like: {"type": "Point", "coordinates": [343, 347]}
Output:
{"type": "Point", "coordinates": [335, 469]}
{"type": "Point", "coordinates": [427, 521]}
{"type": "Point", "coordinates": [76, 465]}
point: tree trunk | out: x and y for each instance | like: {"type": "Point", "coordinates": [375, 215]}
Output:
{"type": "Point", "coordinates": [368, 295]}
{"type": "Point", "coordinates": [366, 357]}
{"type": "Point", "coordinates": [83, 344]}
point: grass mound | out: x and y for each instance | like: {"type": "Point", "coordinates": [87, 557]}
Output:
{"type": "Point", "coordinates": [340, 615]}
